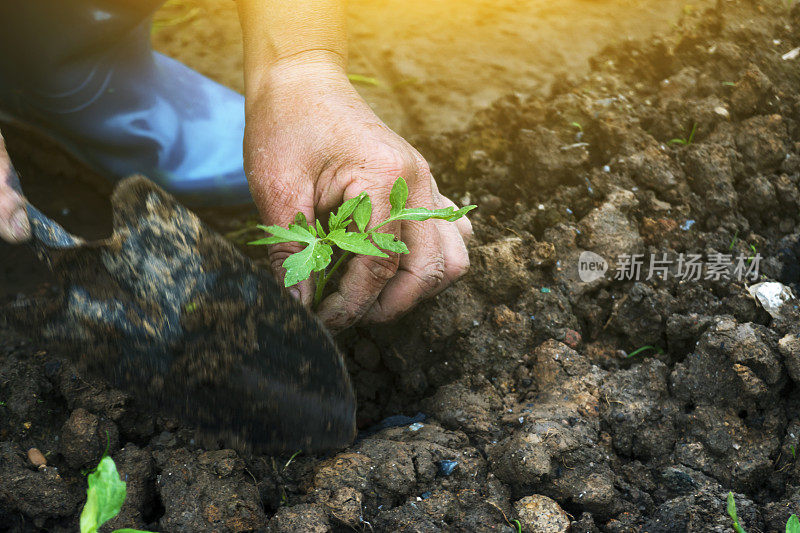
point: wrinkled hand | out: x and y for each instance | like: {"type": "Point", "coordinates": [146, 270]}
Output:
{"type": "Point", "coordinates": [14, 225]}
{"type": "Point", "coordinates": [311, 142]}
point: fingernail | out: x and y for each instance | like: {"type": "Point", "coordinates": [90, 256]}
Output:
{"type": "Point", "coordinates": [295, 293]}
{"type": "Point", "coordinates": [20, 227]}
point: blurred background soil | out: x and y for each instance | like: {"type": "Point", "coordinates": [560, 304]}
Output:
{"type": "Point", "coordinates": [437, 61]}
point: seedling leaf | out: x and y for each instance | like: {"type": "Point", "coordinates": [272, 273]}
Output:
{"type": "Point", "coordinates": [366, 80]}
{"type": "Point", "coordinates": [293, 233]}
{"type": "Point", "coordinates": [793, 524]}
{"type": "Point", "coordinates": [387, 241]}
{"type": "Point", "coordinates": [300, 220]}
{"type": "Point", "coordinates": [398, 196]}
{"type": "Point", "coordinates": [104, 498]}
{"type": "Point", "coordinates": [733, 514]}
{"type": "Point", "coordinates": [450, 214]}
{"type": "Point", "coordinates": [363, 213]}
{"type": "Point", "coordinates": [313, 258]}
{"type": "Point", "coordinates": [356, 243]}
{"type": "Point", "coordinates": [339, 219]}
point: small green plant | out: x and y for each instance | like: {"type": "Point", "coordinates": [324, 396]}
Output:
{"type": "Point", "coordinates": [733, 514]}
{"type": "Point", "coordinates": [577, 125]}
{"type": "Point", "coordinates": [792, 525]}
{"type": "Point", "coordinates": [729, 83]}
{"type": "Point", "coordinates": [687, 141]}
{"type": "Point", "coordinates": [318, 252]}
{"type": "Point", "coordinates": [104, 498]}
{"type": "Point", "coordinates": [793, 449]}
{"type": "Point", "coordinates": [519, 526]}
{"type": "Point", "coordinates": [637, 351]}
{"type": "Point", "coordinates": [364, 80]}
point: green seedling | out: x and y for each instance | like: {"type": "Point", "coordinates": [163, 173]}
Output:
{"type": "Point", "coordinates": [295, 454]}
{"type": "Point", "coordinates": [687, 141]}
{"type": "Point", "coordinates": [637, 351]}
{"type": "Point", "coordinates": [734, 240]}
{"type": "Point", "coordinates": [792, 525]}
{"type": "Point", "coordinates": [364, 80]}
{"type": "Point", "coordinates": [577, 125]}
{"type": "Point", "coordinates": [104, 498]}
{"type": "Point", "coordinates": [519, 526]}
{"type": "Point", "coordinates": [318, 252]}
{"type": "Point", "coordinates": [733, 514]}
{"type": "Point", "coordinates": [729, 83]}
{"type": "Point", "coordinates": [794, 451]}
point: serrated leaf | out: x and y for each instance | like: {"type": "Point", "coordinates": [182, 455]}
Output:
{"type": "Point", "coordinates": [293, 233]}
{"type": "Point", "coordinates": [387, 241]}
{"type": "Point", "coordinates": [320, 231]}
{"type": "Point", "coordinates": [450, 214]}
{"type": "Point", "coordinates": [313, 258]}
{"type": "Point", "coordinates": [363, 213]}
{"type": "Point", "coordinates": [358, 243]}
{"type": "Point", "coordinates": [398, 196]}
{"type": "Point", "coordinates": [343, 213]}
{"type": "Point", "coordinates": [300, 220]}
{"type": "Point", "coordinates": [104, 497]}
{"type": "Point", "coordinates": [793, 524]}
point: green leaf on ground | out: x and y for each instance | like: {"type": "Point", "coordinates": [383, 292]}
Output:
{"type": "Point", "coordinates": [793, 525]}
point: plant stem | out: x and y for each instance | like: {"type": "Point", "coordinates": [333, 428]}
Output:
{"type": "Point", "coordinates": [322, 280]}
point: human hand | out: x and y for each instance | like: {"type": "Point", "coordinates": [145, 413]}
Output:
{"type": "Point", "coordinates": [311, 142]}
{"type": "Point", "coordinates": [14, 225]}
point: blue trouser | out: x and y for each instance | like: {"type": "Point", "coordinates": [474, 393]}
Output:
{"type": "Point", "coordinates": [84, 73]}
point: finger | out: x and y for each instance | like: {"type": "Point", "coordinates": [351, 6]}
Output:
{"type": "Point", "coordinates": [14, 225]}
{"type": "Point", "coordinates": [422, 272]}
{"type": "Point", "coordinates": [463, 224]}
{"type": "Point", "coordinates": [279, 200]}
{"type": "Point", "coordinates": [365, 276]}
{"type": "Point", "coordinates": [454, 245]}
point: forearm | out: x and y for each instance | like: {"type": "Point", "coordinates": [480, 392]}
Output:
{"type": "Point", "coordinates": [291, 32]}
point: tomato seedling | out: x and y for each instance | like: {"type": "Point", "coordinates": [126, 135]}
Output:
{"type": "Point", "coordinates": [104, 498]}
{"type": "Point", "coordinates": [318, 252]}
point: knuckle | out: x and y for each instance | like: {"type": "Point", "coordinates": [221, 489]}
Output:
{"type": "Point", "coordinates": [432, 274]}
{"type": "Point", "coordinates": [393, 163]}
{"type": "Point", "coordinates": [382, 269]}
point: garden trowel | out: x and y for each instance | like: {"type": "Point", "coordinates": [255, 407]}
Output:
{"type": "Point", "coordinates": [170, 312]}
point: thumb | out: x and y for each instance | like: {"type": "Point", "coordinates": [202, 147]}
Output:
{"type": "Point", "coordinates": [279, 202]}
{"type": "Point", "coordinates": [14, 225]}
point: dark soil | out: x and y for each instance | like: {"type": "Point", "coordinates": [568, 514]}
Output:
{"type": "Point", "coordinates": [534, 412]}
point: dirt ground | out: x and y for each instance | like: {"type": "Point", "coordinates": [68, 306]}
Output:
{"type": "Point", "coordinates": [538, 411]}
{"type": "Point", "coordinates": [438, 61]}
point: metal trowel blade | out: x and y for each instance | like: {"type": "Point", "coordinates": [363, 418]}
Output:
{"type": "Point", "coordinates": [170, 312]}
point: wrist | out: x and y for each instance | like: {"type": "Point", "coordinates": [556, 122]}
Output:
{"type": "Point", "coordinates": [318, 67]}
